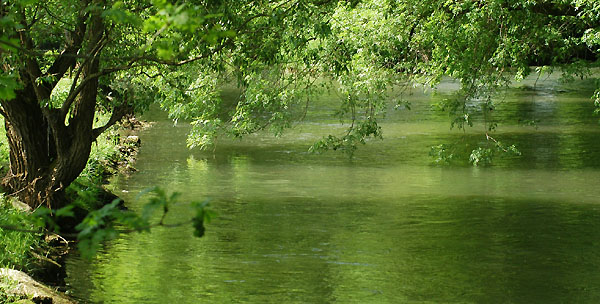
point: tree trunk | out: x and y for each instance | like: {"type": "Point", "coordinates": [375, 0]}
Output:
{"type": "Point", "coordinates": [40, 170]}
{"type": "Point", "coordinates": [46, 153]}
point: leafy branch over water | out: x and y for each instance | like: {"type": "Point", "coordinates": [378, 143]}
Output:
{"type": "Point", "coordinates": [112, 219]}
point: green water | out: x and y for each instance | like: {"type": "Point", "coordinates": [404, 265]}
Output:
{"type": "Point", "coordinates": [384, 227]}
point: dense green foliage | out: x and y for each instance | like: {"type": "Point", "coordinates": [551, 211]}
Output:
{"type": "Point", "coordinates": [63, 62]}
{"type": "Point", "coordinates": [120, 56]}
{"type": "Point", "coordinates": [20, 246]}
{"type": "Point", "coordinates": [369, 48]}
{"type": "Point", "coordinates": [72, 69]}
{"type": "Point", "coordinates": [110, 220]}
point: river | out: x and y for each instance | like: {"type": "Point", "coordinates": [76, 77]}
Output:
{"type": "Point", "coordinates": [386, 226]}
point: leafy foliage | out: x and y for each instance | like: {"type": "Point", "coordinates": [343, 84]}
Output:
{"type": "Point", "coordinates": [348, 143]}
{"type": "Point", "coordinates": [203, 215]}
{"type": "Point", "coordinates": [484, 156]}
{"type": "Point", "coordinates": [110, 220]}
{"type": "Point", "coordinates": [96, 228]}
{"type": "Point", "coordinates": [182, 54]}
{"type": "Point", "coordinates": [17, 246]}
{"type": "Point", "coordinates": [442, 154]}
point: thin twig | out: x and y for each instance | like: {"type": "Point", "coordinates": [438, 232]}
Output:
{"type": "Point", "coordinates": [488, 137]}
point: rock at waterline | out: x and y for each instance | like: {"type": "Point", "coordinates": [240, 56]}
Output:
{"type": "Point", "coordinates": [133, 140]}
{"type": "Point", "coordinates": [19, 284]}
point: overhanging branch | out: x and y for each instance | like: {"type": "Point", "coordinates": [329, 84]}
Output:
{"type": "Point", "coordinates": [118, 113]}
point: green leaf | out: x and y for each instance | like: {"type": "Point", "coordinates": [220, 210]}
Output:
{"type": "Point", "coordinates": [65, 211]}
{"type": "Point", "coordinates": [8, 86]}
{"type": "Point", "coordinates": [202, 216]}
{"type": "Point", "coordinates": [165, 53]}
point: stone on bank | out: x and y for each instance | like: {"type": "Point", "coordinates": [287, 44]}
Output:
{"type": "Point", "coordinates": [18, 284]}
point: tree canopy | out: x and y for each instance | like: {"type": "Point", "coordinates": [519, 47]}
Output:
{"type": "Point", "coordinates": [64, 60]}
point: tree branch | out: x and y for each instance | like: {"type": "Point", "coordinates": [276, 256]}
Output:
{"type": "Point", "coordinates": [66, 59]}
{"type": "Point", "coordinates": [118, 113]}
{"type": "Point", "coordinates": [71, 98]}
{"type": "Point", "coordinates": [73, 92]}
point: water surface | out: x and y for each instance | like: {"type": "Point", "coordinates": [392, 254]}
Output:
{"type": "Point", "coordinates": [386, 226]}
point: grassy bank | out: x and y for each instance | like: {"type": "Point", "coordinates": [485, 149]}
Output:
{"type": "Point", "coordinates": [18, 246]}
{"type": "Point", "coordinates": [26, 251]}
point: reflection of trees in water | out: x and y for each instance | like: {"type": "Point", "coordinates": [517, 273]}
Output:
{"type": "Point", "coordinates": [383, 227]}
{"type": "Point", "coordinates": [494, 250]}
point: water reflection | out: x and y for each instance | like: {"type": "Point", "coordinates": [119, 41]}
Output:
{"type": "Point", "coordinates": [383, 227]}
{"type": "Point", "coordinates": [467, 249]}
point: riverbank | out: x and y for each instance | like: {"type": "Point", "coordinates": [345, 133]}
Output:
{"type": "Point", "coordinates": [42, 255]}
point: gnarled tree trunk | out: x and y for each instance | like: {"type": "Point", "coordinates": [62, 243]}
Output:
{"type": "Point", "coordinates": [45, 154]}
{"type": "Point", "coordinates": [49, 147]}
